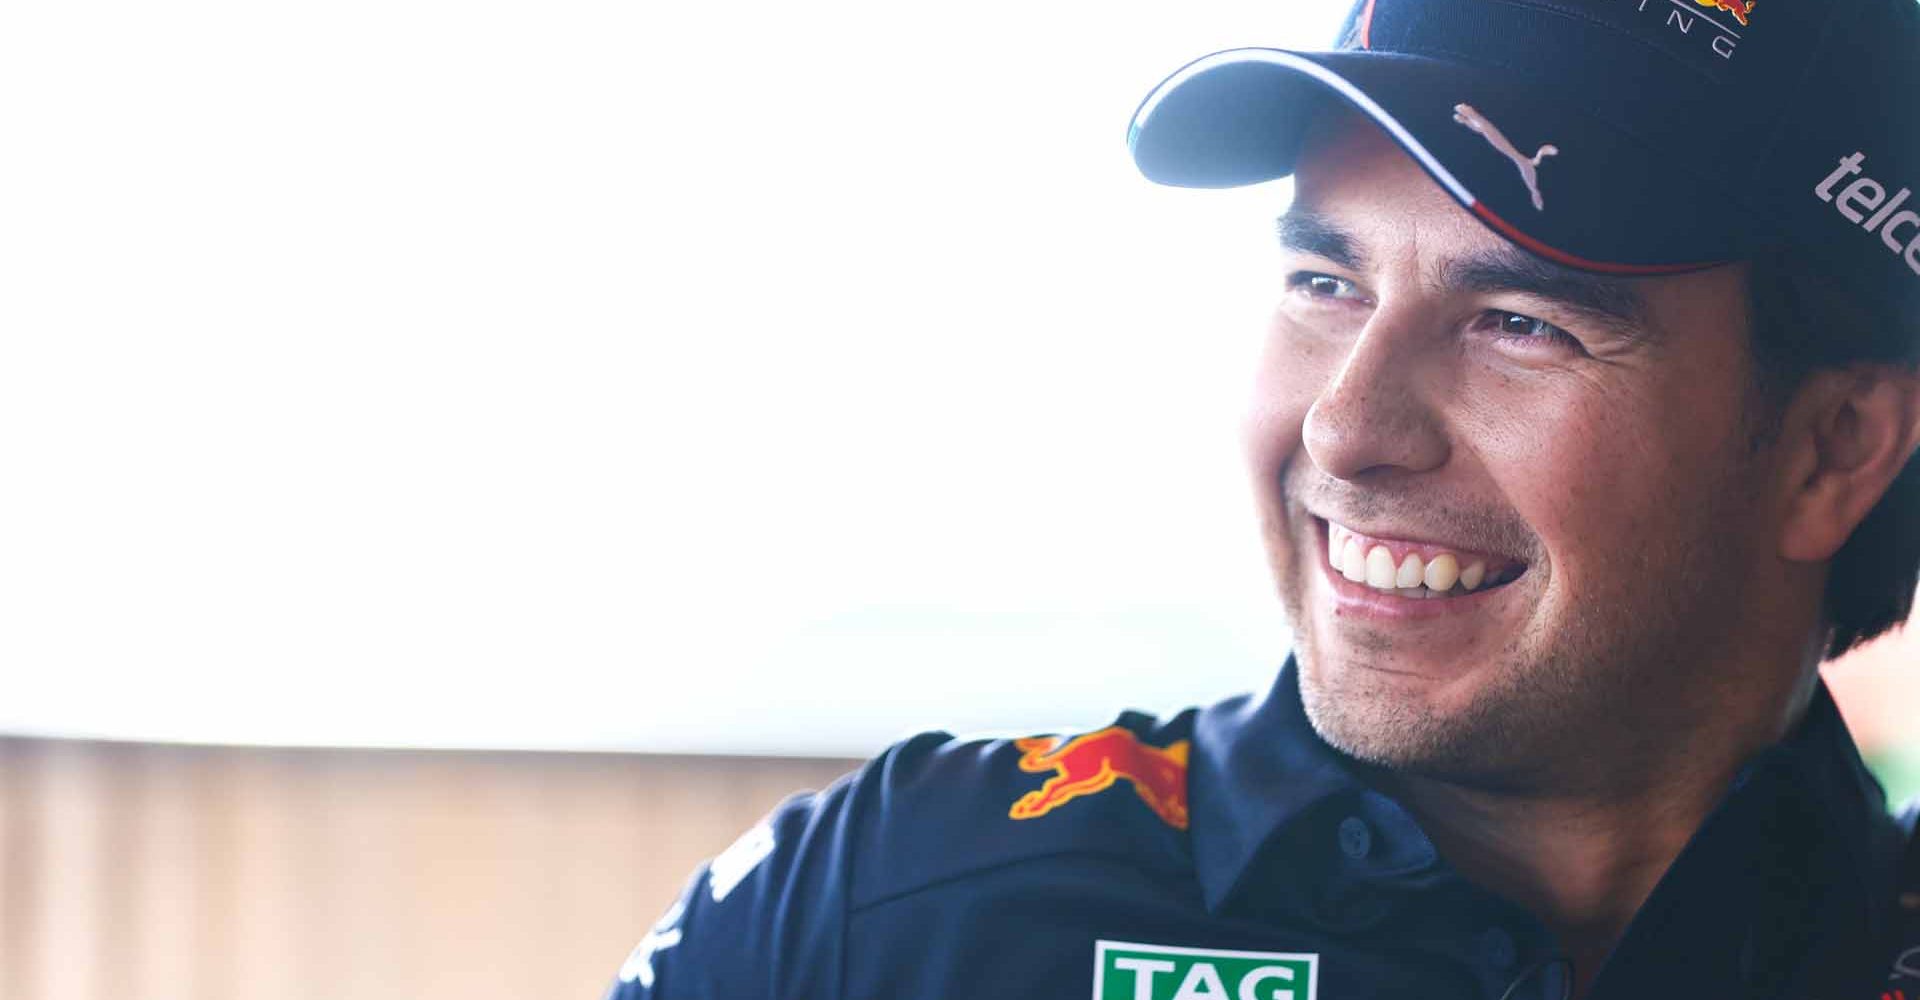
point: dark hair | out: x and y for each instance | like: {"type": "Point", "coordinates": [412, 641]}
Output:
{"type": "Point", "coordinates": [1803, 321]}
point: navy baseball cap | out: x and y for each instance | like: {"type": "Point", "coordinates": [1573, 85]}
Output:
{"type": "Point", "coordinates": [1632, 137]}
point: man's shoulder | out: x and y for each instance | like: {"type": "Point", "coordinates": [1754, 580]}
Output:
{"type": "Point", "coordinates": [937, 807]}
{"type": "Point", "coordinates": [768, 915]}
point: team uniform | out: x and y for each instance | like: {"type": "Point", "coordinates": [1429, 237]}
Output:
{"type": "Point", "coordinates": [1229, 853]}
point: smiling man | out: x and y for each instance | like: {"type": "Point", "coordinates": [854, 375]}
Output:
{"type": "Point", "coordinates": [1583, 436]}
{"type": "Point", "coordinates": [1555, 563]}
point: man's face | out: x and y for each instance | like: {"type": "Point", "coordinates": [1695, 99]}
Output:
{"type": "Point", "coordinates": [1432, 392]}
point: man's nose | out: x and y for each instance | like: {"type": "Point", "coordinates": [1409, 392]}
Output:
{"type": "Point", "coordinates": [1377, 413]}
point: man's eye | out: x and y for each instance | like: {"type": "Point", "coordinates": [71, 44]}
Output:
{"type": "Point", "coordinates": [1519, 327]}
{"type": "Point", "coordinates": [1324, 286]}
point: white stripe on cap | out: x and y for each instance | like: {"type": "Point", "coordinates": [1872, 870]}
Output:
{"type": "Point", "coordinates": [1324, 75]}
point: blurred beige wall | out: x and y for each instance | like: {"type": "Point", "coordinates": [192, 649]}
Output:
{"type": "Point", "coordinates": [144, 872]}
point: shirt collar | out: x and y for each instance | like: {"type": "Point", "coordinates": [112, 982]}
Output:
{"type": "Point", "coordinates": [1259, 767]}
{"type": "Point", "coordinates": [1790, 873]}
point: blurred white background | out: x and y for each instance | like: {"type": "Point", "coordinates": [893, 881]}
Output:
{"type": "Point", "coordinates": [720, 378]}
{"type": "Point", "coordinates": [741, 378]}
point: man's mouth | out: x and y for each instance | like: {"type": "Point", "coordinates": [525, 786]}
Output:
{"type": "Point", "coordinates": [1414, 569]}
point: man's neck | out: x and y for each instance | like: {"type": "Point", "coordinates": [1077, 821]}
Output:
{"type": "Point", "coordinates": [1582, 866]}
{"type": "Point", "coordinates": [1585, 862]}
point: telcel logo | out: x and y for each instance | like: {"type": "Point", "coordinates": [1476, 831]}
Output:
{"type": "Point", "coordinates": [1127, 971]}
{"type": "Point", "coordinates": [1866, 195]}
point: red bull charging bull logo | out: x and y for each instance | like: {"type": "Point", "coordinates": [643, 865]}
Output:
{"type": "Point", "coordinates": [1740, 9]}
{"type": "Point", "coordinates": [1091, 763]}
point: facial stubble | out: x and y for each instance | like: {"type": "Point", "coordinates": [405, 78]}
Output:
{"type": "Point", "coordinates": [1586, 701]}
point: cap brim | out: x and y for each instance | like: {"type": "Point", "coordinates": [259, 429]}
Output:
{"type": "Point", "coordinates": [1608, 203]}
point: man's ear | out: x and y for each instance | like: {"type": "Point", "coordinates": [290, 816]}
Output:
{"type": "Point", "coordinates": [1849, 432]}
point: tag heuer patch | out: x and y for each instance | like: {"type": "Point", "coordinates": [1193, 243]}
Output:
{"type": "Point", "coordinates": [1126, 971]}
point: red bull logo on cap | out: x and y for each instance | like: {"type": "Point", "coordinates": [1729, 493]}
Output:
{"type": "Point", "coordinates": [1680, 19]}
{"type": "Point", "coordinates": [1085, 765]}
{"type": "Point", "coordinates": [1740, 9]}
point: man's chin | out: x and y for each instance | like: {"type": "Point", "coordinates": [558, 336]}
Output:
{"type": "Point", "coordinates": [1417, 717]}
{"type": "Point", "coordinates": [1436, 684]}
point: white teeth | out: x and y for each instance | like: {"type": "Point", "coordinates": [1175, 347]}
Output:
{"type": "Point", "coordinates": [1380, 571]}
{"type": "Point", "coordinates": [1353, 563]}
{"type": "Point", "coordinates": [1410, 573]}
{"type": "Point", "coordinates": [1412, 578]}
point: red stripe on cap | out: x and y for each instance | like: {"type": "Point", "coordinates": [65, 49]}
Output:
{"type": "Point", "coordinates": [1366, 27]}
{"type": "Point", "coordinates": [1562, 257]}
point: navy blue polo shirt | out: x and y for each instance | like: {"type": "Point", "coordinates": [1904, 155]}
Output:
{"type": "Point", "coordinates": [1227, 852]}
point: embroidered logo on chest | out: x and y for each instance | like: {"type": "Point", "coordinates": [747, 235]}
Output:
{"type": "Point", "coordinates": [1123, 970]}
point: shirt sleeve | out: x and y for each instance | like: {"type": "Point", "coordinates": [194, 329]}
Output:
{"type": "Point", "coordinates": [763, 920]}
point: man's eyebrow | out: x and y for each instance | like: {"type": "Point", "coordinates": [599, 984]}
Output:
{"type": "Point", "coordinates": [1318, 235]}
{"type": "Point", "coordinates": [1615, 302]}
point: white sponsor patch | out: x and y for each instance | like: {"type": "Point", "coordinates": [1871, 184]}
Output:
{"type": "Point", "coordinates": [665, 934]}
{"type": "Point", "coordinates": [737, 862]}
{"type": "Point", "coordinates": [1125, 970]}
